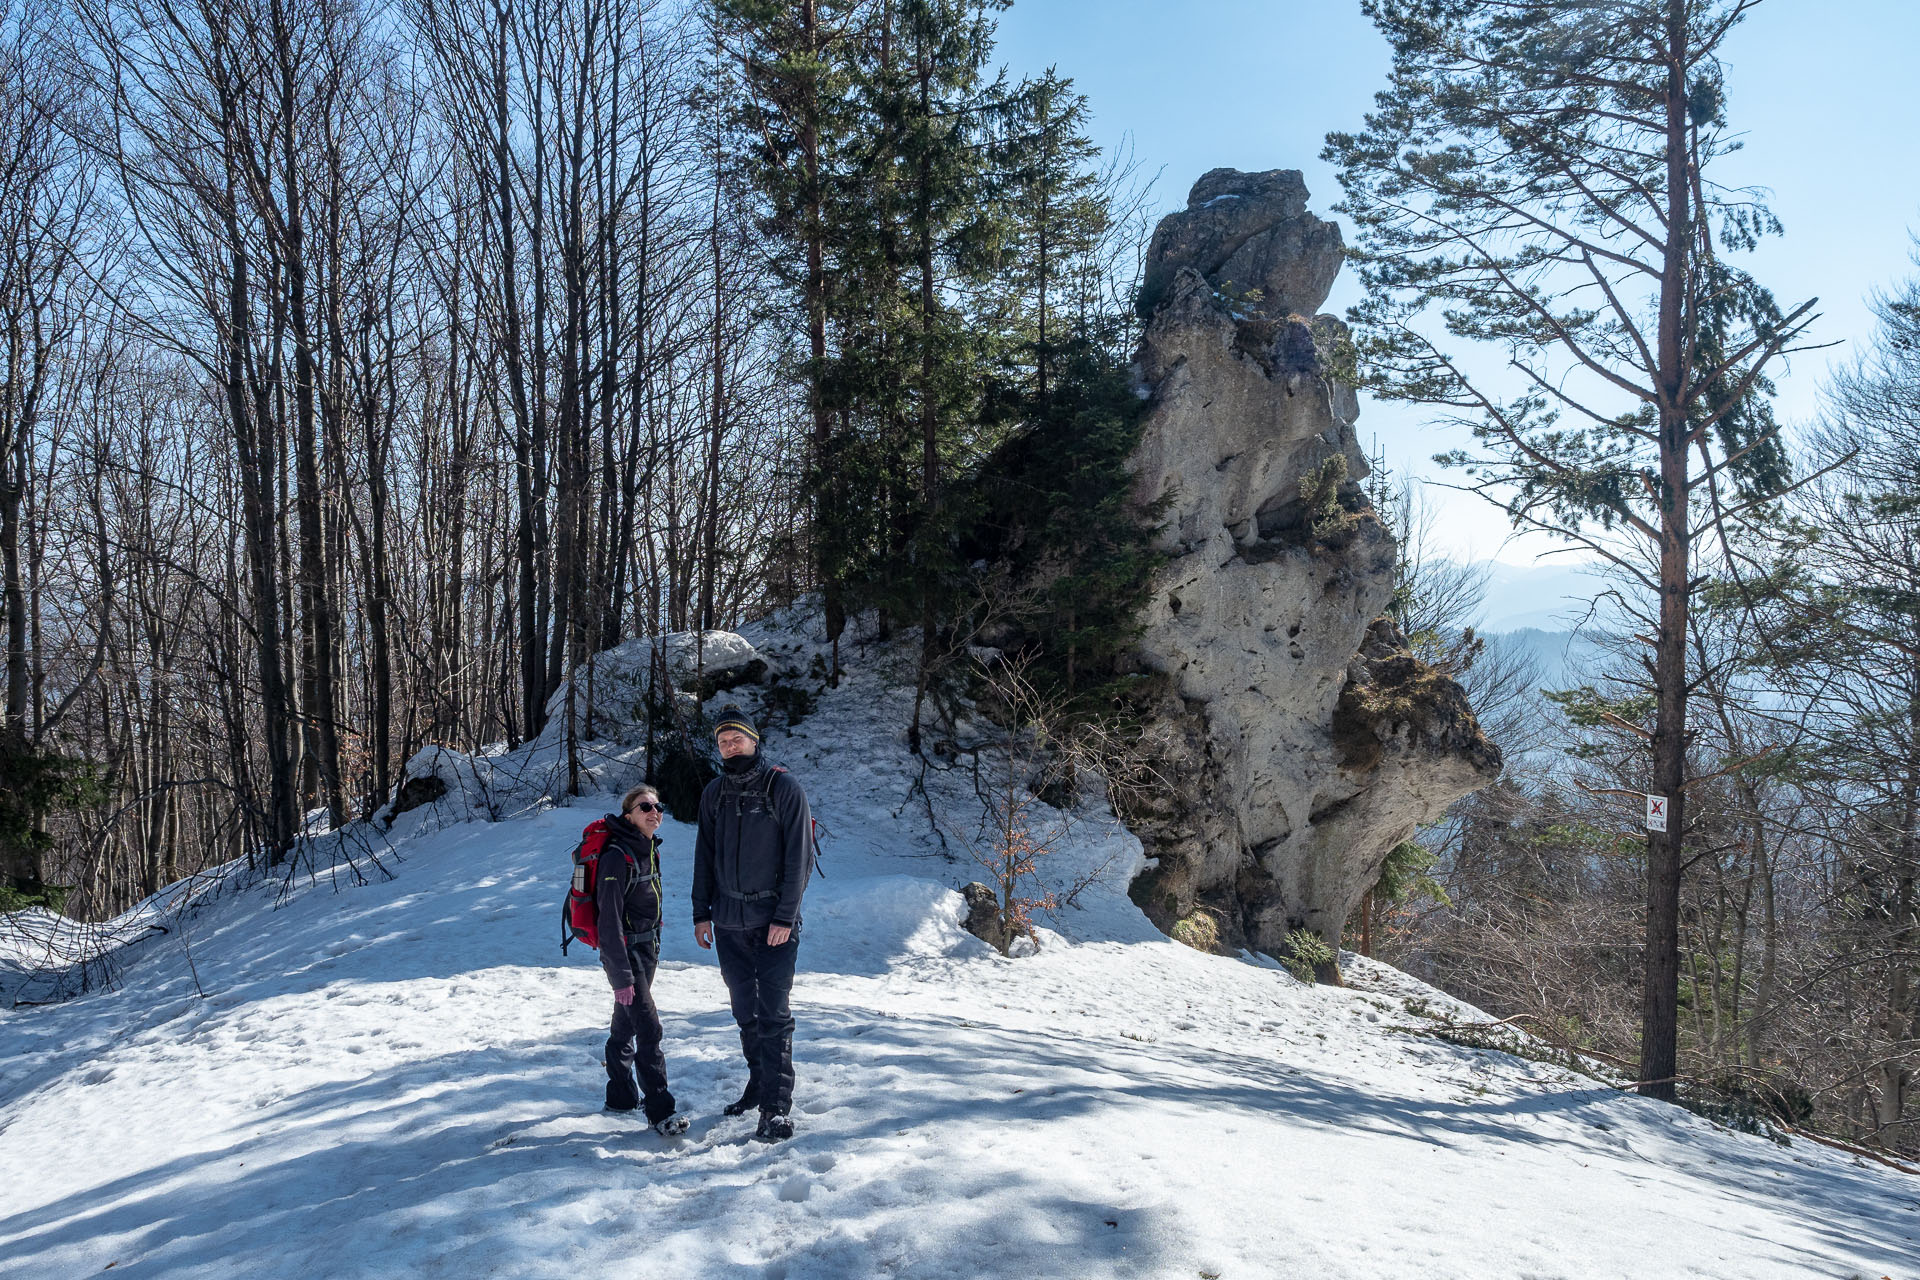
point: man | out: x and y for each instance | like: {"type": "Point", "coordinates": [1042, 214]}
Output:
{"type": "Point", "coordinates": [628, 898]}
{"type": "Point", "coordinates": [750, 866]}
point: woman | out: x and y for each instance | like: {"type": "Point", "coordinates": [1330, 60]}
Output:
{"type": "Point", "coordinates": [628, 898]}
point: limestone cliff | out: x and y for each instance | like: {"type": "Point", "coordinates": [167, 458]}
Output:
{"type": "Point", "coordinates": [1302, 739]}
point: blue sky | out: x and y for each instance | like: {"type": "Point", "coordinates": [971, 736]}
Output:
{"type": "Point", "coordinates": [1822, 91]}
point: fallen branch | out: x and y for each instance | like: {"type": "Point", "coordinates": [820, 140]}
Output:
{"type": "Point", "coordinates": [1552, 1040]}
{"type": "Point", "coordinates": [1840, 1144]}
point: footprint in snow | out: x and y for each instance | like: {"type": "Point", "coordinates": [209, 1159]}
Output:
{"type": "Point", "coordinates": [796, 1189]}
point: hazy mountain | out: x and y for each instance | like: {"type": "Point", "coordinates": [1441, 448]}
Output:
{"type": "Point", "coordinates": [1548, 597]}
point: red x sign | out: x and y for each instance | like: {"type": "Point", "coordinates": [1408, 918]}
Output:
{"type": "Point", "coordinates": [1656, 813]}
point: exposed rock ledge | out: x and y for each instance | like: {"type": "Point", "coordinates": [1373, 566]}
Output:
{"type": "Point", "coordinates": [1303, 737]}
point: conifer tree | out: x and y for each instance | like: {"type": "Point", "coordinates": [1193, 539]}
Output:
{"type": "Point", "coordinates": [1542, 173]}
{"type": "Point", "coordinates": [942, 108]}
{"type": "Point", "coordinates": [1055, 506]}
{"type": "Point", "coordinates": [1057, 215]}
{"type": "Point", "coordinates": [797, 63]}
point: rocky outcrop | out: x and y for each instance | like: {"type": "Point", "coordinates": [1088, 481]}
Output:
{"type": "Point", "coordinates": [613, 687]}
{"type": "Point", "coordinates": [1251, 237]}
{"type": "Point", "coordinates": [984, 919]}
{"type": "Point", "coordinates": [1304, 740]}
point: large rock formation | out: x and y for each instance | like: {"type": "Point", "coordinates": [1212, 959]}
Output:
{"type": "Point", "coordinates": [1302, 738]}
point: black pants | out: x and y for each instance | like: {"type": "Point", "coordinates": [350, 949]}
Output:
{"type": "Point", "coordinates": [759, 981]}
{"type": "Point", "coordinates": [634, 1045]}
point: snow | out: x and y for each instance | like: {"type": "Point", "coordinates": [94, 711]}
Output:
{"type": "Point", "coordinates": [619, 680]}
{"type": "Point", "coordinates": [402, 1077]}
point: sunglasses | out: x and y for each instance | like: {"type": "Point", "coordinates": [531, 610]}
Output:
{"type": "Point", "coordinates": [647, 806]}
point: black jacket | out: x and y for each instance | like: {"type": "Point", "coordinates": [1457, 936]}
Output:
{"type": "Point", "coordinates": [628, 897]}
{"type": "Point", "coordinates": [754, 851]}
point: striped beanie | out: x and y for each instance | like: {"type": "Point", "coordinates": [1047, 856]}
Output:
{"type": "Point", "coordinates": [732, 717]}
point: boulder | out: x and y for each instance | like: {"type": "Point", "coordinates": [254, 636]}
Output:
{"type": "Point", "coordinates": [615, 684]}
{"type": "Point", "coordinates": [983, 916]}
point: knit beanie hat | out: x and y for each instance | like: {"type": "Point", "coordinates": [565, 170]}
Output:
{"type": "Point", "coordinates": [732, 717]}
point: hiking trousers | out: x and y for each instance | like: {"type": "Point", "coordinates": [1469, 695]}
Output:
{"type": "Point", "coordinates": [633, 1046]}
{"type": "Point", "coordinates": [759, 982]}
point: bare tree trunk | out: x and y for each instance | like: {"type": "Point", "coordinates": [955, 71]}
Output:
{"type": "Point", "coordinates": [1659, 1032]}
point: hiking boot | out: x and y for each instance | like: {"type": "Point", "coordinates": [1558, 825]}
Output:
{"type": "Point", "coordinates": [747, 1101]}
{"type": "Point", "coordinates": [671, 1127]}
{"type": "Point", "coordinates": [774, 1127]}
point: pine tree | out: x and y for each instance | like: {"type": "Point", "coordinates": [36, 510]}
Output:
{"type": "Point", "coordinates": [1543, 172]}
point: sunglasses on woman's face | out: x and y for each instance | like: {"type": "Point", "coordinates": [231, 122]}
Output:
{"type": "Point", "coordinates": [646, 806]}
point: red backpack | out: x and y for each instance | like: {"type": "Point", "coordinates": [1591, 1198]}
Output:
{"type": "Point", "coordinates": [580, 913]}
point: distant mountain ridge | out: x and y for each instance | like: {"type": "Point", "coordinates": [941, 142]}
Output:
{"type": "Point", "coordinates": [1566, 658]}
{"type": "Point", "coordinates": [1549, 598]}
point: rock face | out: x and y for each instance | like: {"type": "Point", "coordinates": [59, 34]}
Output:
{"type": "Point", "coordinates": [1302, 737]}
{"type": "Point", "coordinates": [1251, 237]}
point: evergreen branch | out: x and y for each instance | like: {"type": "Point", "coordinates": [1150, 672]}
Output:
{"type": "Point", "coordinates": [1533, 375]}
{"type": "Point", "coordinates": [1526, 216]}
{"type": "Point", "coordinates": [1776, 494]}
{"type": "Point", "coordinates": [1768, 346]}
{"type": "Point", "coordinates": [1647, 360]}
{"type": "Point", "coordinates": [1733, 768]}
{"type": "Point", "coordinates": [1559, 330]}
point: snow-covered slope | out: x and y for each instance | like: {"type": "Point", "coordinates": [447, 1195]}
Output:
{"type": "Point", "coordinates": [403, 1078]}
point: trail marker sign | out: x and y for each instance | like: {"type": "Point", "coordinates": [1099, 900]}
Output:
{"type": "Point", "coordinates": [1656, 813]}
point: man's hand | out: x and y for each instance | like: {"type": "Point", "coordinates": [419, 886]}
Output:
{"type": "Point", "coordinates": [703, 934]}
{"type": "Point", "coordinates": [623, 996]}
{"type": "Point", "coordinates": [777, 934]}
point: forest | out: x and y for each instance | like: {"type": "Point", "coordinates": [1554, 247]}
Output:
{"type": "Point", "coordinates": [368, 367]}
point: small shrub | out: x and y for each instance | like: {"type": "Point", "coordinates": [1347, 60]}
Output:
{"type": "Point", "coordinates": [51, 896]}
{"type": "Point", "coordinates": [1198, 930]}
{"type": "Point", "coordinates": [35, 784]}
{"type": "Point", "coordinates": [682, 773]}
{"type": "Point", "coordinates": [1307, 954]}
{"type": "Point", "coordinates": [1748, 1105]}
{"type": "Point", "coordinates": [1326, 518]}
{"type": "Point", "coordinates": [796, 702]}
{"type": "Point", "coordinates": [1404, 876]}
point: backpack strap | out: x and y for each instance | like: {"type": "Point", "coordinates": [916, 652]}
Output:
{"type": "Point", "coordinates": [738, 792]}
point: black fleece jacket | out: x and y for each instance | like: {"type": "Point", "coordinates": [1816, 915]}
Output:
{"type": "Point", "coordinates": [628, 897]}
{"type": "Point", "coordinates": [754, 851]}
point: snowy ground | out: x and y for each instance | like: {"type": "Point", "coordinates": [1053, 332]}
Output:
{"type": "Point", "coordinates": [403, 1078]}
